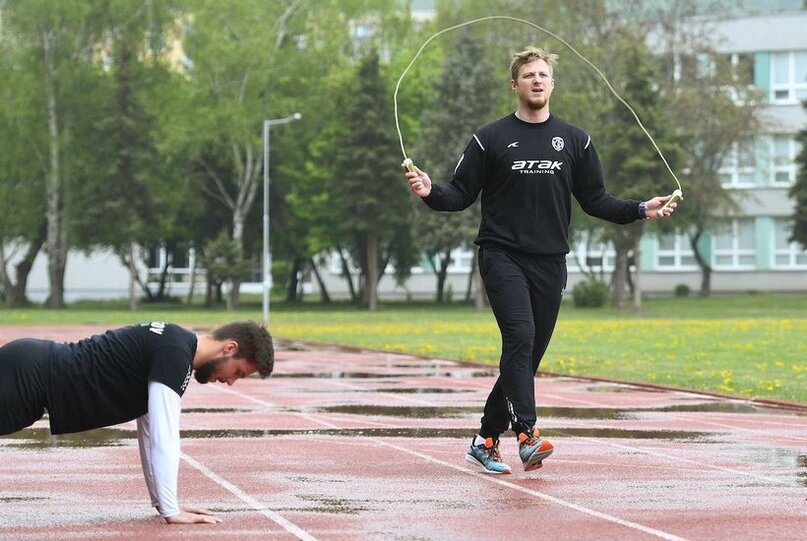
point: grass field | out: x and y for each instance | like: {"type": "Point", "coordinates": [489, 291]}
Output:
{"type": "Point", "coordinates": [750, 346]}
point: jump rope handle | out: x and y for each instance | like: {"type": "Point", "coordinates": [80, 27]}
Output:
{"type": "Point", "coordinates": [677, 195]}
{"type": "Point", "coordinates": [409, 164]}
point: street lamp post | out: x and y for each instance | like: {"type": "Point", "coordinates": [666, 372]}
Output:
{"type": "Point", "coordinates": [267, 261]}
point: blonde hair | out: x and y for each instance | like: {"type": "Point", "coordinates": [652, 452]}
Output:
{"type": "Point", "coordinates": [530, 54]}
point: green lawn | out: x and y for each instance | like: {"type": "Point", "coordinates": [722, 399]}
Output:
{"type": "Point", "coordinates": [752, 346]}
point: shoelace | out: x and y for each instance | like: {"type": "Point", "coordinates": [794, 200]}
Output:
{"type": "Point", "coordinates": [493, 452]}
{"type": "Point", "coordinates": [532, 440]}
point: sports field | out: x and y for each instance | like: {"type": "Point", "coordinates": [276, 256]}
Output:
{"type": "Point", "coordinates": [747, 345]}
{"type": "Point", "coordinates": [349, 444]}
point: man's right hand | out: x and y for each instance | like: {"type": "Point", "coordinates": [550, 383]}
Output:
{"type": "Point", "coordinates": [419, 182]}
{"type": "Point", "coordinates": [193, 516]}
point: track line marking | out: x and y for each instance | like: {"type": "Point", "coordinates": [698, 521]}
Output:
{"type": "Point", "coordinates": [537, 494]}
{"type": "Point", "coordinates": [249, 500]}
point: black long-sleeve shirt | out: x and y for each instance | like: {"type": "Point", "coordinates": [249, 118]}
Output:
{"type": "Point", "coordinates": [527, 173]}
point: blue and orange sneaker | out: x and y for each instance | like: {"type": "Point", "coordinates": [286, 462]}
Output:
{"type": "Point", "coordinates": [486, 454]}
{"type": "Point", "coordinates": [533, 449]}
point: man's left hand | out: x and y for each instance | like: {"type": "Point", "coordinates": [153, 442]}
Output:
{"type": "Point", "coordinates": [653, 207]}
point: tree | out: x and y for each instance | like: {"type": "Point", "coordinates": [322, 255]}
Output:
{"type": "Point", "coordinates": [465, 96]}
{"type": "Point", "coordinates": [799, 193]}
{"type": "Point", "coordinates": [58, 40]}
{"type": "Point", "coordinates": [369, 195]}
{"type": "Point", "coordinates": [634, 169]}
{"type": "Point", "coordinates": [714, 109]}
{"type": "Point", "coordinates": [22, 213]}
{"type": "Point", "coordinates": [129, 192]}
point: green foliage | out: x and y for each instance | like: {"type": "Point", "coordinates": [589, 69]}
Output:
{"type": "Point", "coordinates": [464, 98]}
{"type": "Point", "coordinates": [682, 290]}
{"type": "Point", "coordinates": [590, 293]}
{"type": "Point", "coordinates": [224, 260]}
{"type": "Point", "coordinates": [369, 195]}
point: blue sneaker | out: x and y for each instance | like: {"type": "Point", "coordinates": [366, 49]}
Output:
{"type": "Point", "coordinates": [486, 454]}
{"type": "Point", "coordinates": [533, 449]}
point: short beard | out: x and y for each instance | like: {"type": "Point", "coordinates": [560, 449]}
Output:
{"type": "Point", "coordinates": [205, 372]}
{"type": "Point", "coordinates": [537, 104]}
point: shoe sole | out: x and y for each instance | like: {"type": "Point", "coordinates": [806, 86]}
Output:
{"type": "Point", "coordinates": [536, 460]}
{"type": "Point", "coordinates": [473, 460]}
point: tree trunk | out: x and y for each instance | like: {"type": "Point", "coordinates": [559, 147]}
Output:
{"type": "Point", "coordinates": [637, 277]}
{"type": "Point", "coordinates": [323, 291]}
{"type": "Point", "coordinates": [346, 274]}
{"type": "Point", "coordinates": [132, 249]}
{"type": "Point", "coordinates": [234, 298]}
{"type": "Point", "coordinates": [5, 282]}
{"type": "Point", "coordinates": [480, 295]}
{"type": "Point", "coordinates": [56, 233]}
{"type": "Point", "coordinates": [620, 272]}
{"type": "Point", "coordinates": [442, 273]}
{"type": "Point", "coordinates": [292, 294]}
{"type": "Point", "coordinates": [706, 269]}
{"type": "Point", "coordinates": [191, 284]}
{"type": "Point", "coordinates": [15, 292]}
{"type": "Point", "coordinates": [371, 280]}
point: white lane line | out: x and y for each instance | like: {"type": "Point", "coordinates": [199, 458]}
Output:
{"type": "Point", "coordinates": [249, 500]}
{"type": "Point", "coordinates": [537, 494]}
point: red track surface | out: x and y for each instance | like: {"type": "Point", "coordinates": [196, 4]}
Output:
{"type": "Point", "coordinates": [352, 445]}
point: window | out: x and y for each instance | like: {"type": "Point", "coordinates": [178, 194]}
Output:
{"type": "Point", "coordinates": [739, 165]}
{"type": "Point", "coordinates": [733, 71]}
{"type": "Point", "coordinates": [783, 163]}
{"type": "Point", "coordinates": [787, 254]}
{"type": "Point", "coordinates": [734, 245]}
{"type": "Point", "coordinates": [789, 76]}
{"type": "Point", "coordinates": [675, 251]}
{"type": "Point", "coordinates": [462, 260]}
{"type": "Point", "coordinates": [592, 255]}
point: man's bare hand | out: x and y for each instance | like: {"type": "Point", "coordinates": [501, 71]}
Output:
{"type": "Point", "coordinates": [419, 182]}
{"type": "Point", "coordinates": [193, 516]}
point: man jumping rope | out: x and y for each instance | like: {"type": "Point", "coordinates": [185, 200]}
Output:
{"type": "Point", "coordinates": [526, 166]}
{"type": "Point", "coordinates": [136, 372]}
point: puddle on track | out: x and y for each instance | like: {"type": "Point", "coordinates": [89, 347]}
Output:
{"type": "Point", "coordinates": [454, 374]}
{"type": "Point", "coordinates": [41, 438]}
{"type": "Point", "coordinates": [425, 412]}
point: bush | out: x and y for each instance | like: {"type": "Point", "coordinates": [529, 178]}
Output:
{"type": "Point", "coordinates": [682, 290]}
{"type": "Point", "coordinates": [590, 294]}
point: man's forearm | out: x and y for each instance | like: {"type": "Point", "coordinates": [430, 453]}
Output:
{"type": "Point", "coordinates": [164, 409]}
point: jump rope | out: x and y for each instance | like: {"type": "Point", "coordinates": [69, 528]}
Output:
{"type": "Point", "coordinates": [409, 164]}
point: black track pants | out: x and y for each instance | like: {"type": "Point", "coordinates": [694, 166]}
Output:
{"type": "Point", "coordinates": [525, 295]}
{"type": "Point", "coordinates": [22, 384]}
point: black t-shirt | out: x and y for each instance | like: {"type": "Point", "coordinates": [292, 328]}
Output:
{"type": "Point", "coordinates": [527, 173]}
{"type": "Point", "coordinates": [103, 380]}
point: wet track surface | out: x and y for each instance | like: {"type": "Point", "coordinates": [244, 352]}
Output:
{"type": "Point", "coordinates": [357, 445]}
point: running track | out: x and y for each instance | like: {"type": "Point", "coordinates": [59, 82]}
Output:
{"type": "Point", "coordinates": [342, 444]}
